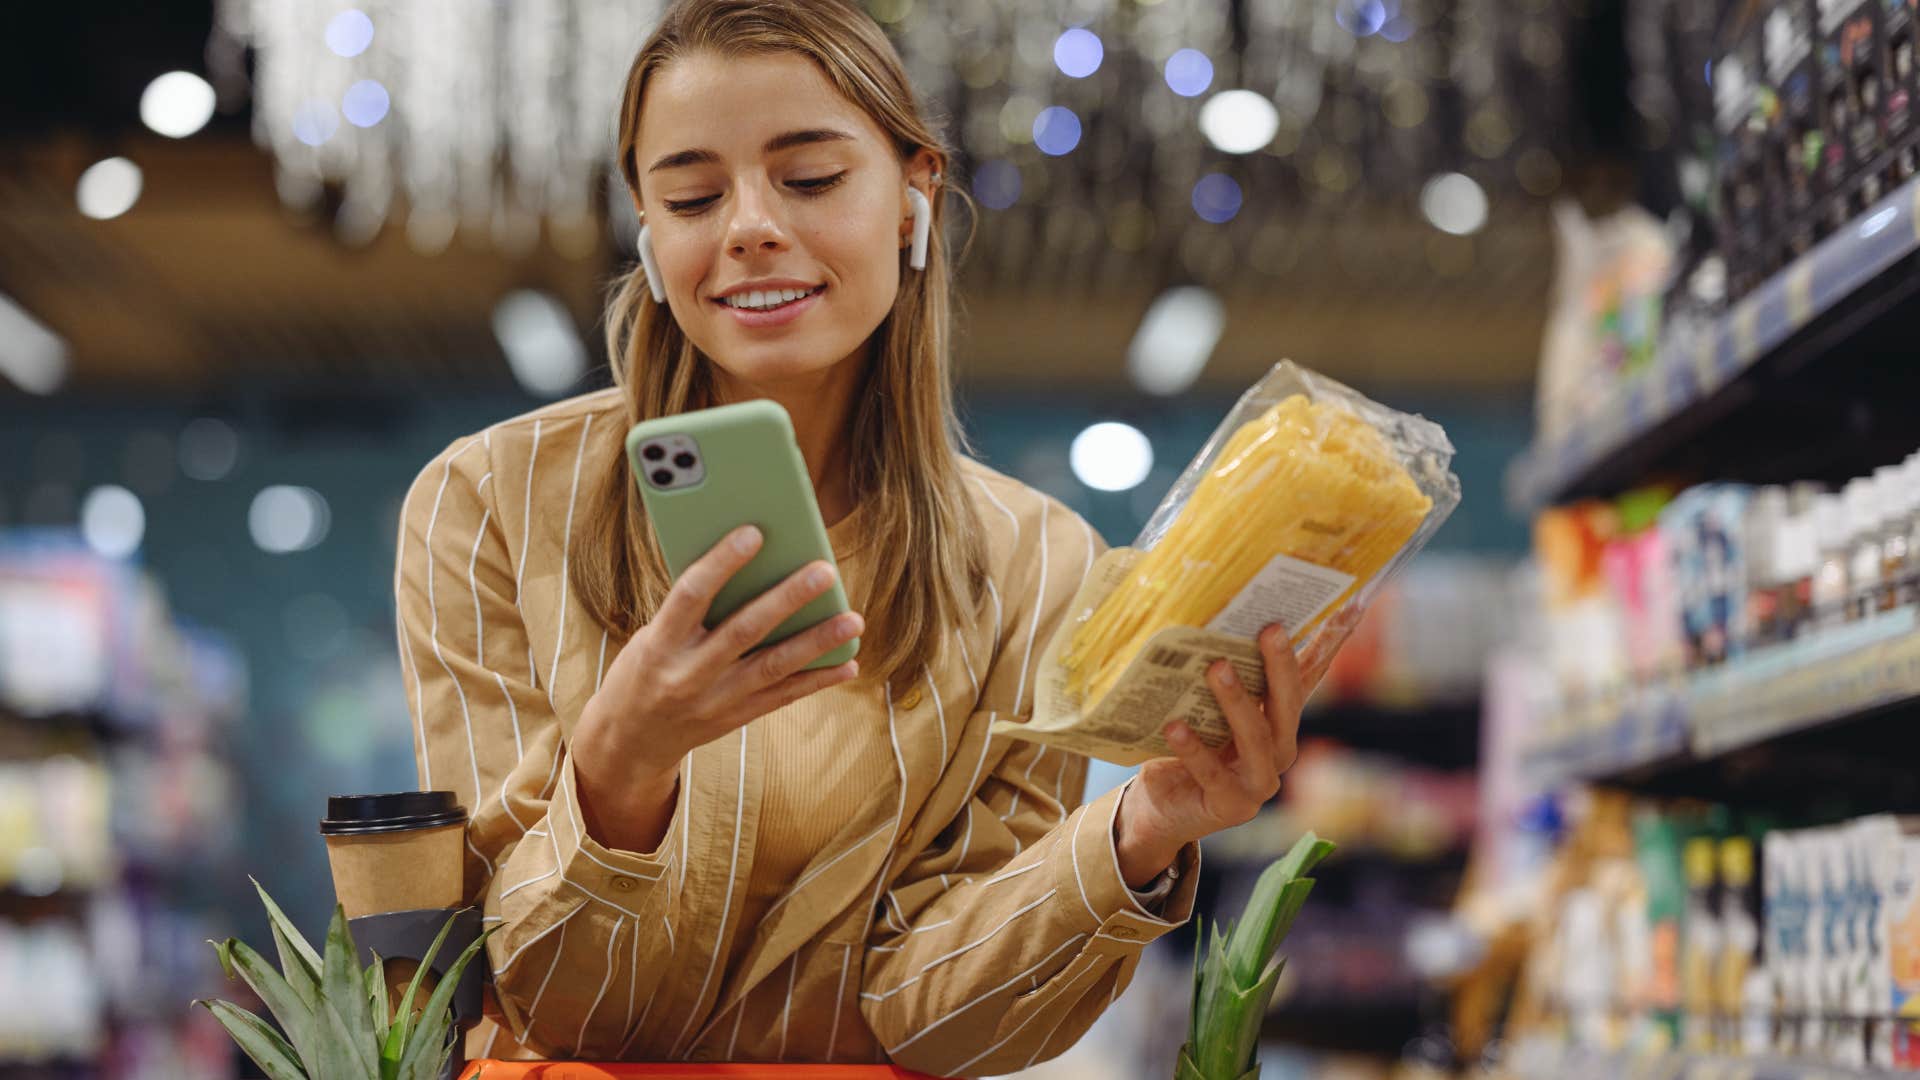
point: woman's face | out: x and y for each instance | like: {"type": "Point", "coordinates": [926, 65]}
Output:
{"type": "Point", "coordinates": [777, 211]}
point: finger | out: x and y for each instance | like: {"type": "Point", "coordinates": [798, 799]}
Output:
{"type": "Point", "coordinates": [684, 610]}
{"type": "Point", "coordinates": [781, 661]}
{"type": "Point", "coordinates": [1252, 735]}
{"type": "Point", "coordinates": [747, 627]}
{"type": "Point", "coordinates": [793, 688]}
{"type": "Point", "coordinates": [1207, 766]}
{"type": "Point", "coordinates": [1282, 668]}
{"type": "Point", "coordinates": [1286, 694]}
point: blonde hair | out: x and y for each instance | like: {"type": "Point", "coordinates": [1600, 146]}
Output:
{"type": "Point", "coordinates": [905, 442]}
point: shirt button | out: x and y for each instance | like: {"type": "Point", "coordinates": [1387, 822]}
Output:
{"type": "Point", "coordinates": [1125, 933]}
{"type": "Point", "coordinates": [912, 699]}
{"type": "Point", "coordinates": [624, 883]}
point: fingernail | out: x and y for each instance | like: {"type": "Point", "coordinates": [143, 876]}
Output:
{"type": "Point", "coordinates": [850, 625]}
{"type": "Point", "coordinates": [746, 539]}
{"type": "Point", "coordinates": [820, 576]}
{"type": "Point", "coordinates": [1172, 733]}
{"type": "Point", "coordinates": [1224, 672]}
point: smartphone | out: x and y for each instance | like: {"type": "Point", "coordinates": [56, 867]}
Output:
{"type": "Point", "coordinates": [705, 473]}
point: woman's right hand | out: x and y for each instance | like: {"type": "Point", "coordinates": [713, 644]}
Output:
{"type": "Point", "coordinates": [677, 685]}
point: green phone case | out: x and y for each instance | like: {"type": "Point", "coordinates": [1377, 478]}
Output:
{"type": "Point", "coordinates": [749, 472]}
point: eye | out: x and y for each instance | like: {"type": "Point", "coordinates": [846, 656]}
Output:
{"type": "Point", "coordinates": [818, 184]}
{"type": "Point", "coordinates": [689, 206]}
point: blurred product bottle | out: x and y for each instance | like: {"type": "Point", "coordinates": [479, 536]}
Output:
{"type": "Point", "coordinates": [1745, 992]}
{"type": "Point", "coordinates": [1701, 940]}
{"type": "Point", "coordinates": [1830, 577]}
{"type": "Point", "coordinates": [1766, 517]}
{"type": "Point", "coordinates": [1862, 495]}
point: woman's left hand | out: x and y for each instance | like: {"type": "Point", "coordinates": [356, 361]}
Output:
{"type": "Point", "coordinates": [1200, 790]}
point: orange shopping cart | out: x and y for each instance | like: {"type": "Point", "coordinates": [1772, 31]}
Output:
{"type": "Point", "coordinates": [587, 1070]}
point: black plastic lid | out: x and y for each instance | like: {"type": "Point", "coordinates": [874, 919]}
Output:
{"type": "Point", "coordinates": [350, 815]}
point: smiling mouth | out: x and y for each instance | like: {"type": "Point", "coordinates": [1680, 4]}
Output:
{"type": "Point", "coordinates": [768, 300]}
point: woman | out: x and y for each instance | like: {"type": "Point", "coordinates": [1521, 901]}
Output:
{"type": "Point", "coordinates": [691, 850]}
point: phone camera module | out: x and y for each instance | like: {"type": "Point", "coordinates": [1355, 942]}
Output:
{"type": "Point", "coordinates": [653, 452]}
{"type": "Point", "coordinates": [683, 460]}
{"type": "Point", "coordinates": [663, 477]}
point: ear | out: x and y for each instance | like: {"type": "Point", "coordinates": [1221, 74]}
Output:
{"type": "Point", "coordinates": [919, 171]}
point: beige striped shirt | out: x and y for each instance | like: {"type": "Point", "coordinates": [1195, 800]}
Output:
{"type": "Point", "coordinates": [948, 907]}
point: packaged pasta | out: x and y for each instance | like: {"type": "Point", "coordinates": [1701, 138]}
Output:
{"type": "Point", "coordinates": [1306, 498]}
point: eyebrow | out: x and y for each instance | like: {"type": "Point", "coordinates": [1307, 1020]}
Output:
{"type": "Point", "coordinates": [786, 141]}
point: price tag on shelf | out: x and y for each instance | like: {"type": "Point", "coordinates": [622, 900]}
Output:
{"type": "Point", "coordinates": [1746, 333]}
{"type": "Point", "coordinates": [1800, 293]}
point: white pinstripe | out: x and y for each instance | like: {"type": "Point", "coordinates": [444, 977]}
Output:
{"type": "Point", "coordinates": [823, 868]}
{"type": "Point", "coordinates": [581, 1042]}
{"type": "Point", "coordinates": [1039, 605]}
{"type": "Point", "coordinates": [726, 906]}
{"type": "Point", "coordinates": [526, 520]}
{"type": "Point", "coordinates": [962, 950]}
{"type": "Point", "coordinates": [535, 939]}
{"type": "Point", "coordinates": [473, 585]}
{"type": "Point", "coordinates": [739, 1014]}
{"type": "Point", "coordinates": [793, 969]}
{"type": "Point", "coordinates": [559, 947]}
{"type": "Point", "coordinates": [833, 1036]}
{"type": "Point", "coordinates": [1073, 856]}
{"type": "Point", "coordinates": [566, 552]}
{"type": "Point", "coordinates": [894, 1051]}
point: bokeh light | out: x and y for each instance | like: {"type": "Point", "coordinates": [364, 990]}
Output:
{"type": "Point", "coordinates": [1189, 72]}
{"type": "Point", "coordinates": [1111, 456]}
{"type": "Point", "coordinates": [108, 188]}
{"type": "Point", "coordinates": [177, 104]}
{"type": "Point", "coordinates": [284, 519]}
{"type": "Point", "coordinates": [1077, 53]}
{"type": "Point", "coordinates": [1216, 198]}
{"type": "Point", "coordinates": [1239, 121]}
{"type": "Point", "coordinates": [365, 103]}
{"type": "Point", "coordinates": [315, 122]}
{"type": "Point", "coordinates": [1454, 203]}
{"type": "Point", "coordinates": [1056, 130]}
{"type": "Point", "coordinates": [112, 521]}
{"type": "Point", "coordinates": [349, 33]}
{"type": "Point", "coordinates": [209, 449]}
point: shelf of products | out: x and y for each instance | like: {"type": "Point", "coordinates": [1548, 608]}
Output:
{"type": "Point", "coordinates": [117, 812]}
{"type": "Point", "coordinates": [1674, 936]}
{"type": "Point", "coordinates": [1682, 628]}
{"type": "Point", "coordinates": [1860, 280]}
{"type": "Point", "coordinates": [1560, 1064]}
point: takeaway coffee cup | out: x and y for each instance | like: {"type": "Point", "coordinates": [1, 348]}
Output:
{"type": "Point", "coordinates": [398, 852]}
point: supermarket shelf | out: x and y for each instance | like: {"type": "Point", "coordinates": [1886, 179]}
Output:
{"type": "Point", "coordinates": [1805, 714]}
{"type": "Point", "coordinates": [1443, 735]}
{"type": "Point", "coordinates": [1381, 1026]}
{"type": "Point", "coordinates": [1593, 1065]}
{"type": "Point", "coordinates": [1698, 406]}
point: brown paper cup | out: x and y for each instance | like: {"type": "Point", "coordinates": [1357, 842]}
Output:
{"type": "Point", "coordinates": [399, 852]}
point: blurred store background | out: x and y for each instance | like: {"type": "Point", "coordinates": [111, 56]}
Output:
{"type": "Point", "coordinates": [1612, 764]}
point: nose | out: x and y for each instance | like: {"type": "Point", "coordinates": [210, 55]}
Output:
{"type": "Point", "coordinates": [755, 226]}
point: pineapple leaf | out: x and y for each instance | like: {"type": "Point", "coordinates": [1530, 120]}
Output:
{"type": "Point", "coordinates": [376, 980]}
{"type": "Point", "coordinates": [1245, 1040]}
{"type": "Point", "coordinates": [260, 1042]}
{"type": "Point", "coordinates": [426, 1042]}
{"type": "Point", "coordinates": [293, 1015]}
{"type": "Point", "coordinates": [1215, 1001]}
{"type": "Point", "coordinates": [346, 996]}
{"type": "Point", "coordinates": [405, 1020]}
{"type": "Point", "coordinates": [1185, 1069]}
{"type": "Point", "coordinates": [284, 925]}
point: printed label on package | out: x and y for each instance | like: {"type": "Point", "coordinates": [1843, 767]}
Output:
{"type": "Point", "coordinates": [1287, 591]}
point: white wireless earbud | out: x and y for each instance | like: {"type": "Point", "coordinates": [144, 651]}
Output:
{"type": "Point", "coordinates": [922, 227]}
{"type": "Point", "coordinates": [654, 281]}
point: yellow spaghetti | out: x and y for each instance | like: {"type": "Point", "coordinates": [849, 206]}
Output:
{"type": "Point", "coordinates": [1305, 479]}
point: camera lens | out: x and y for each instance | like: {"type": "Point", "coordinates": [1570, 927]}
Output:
{"type": "Point", "coordinates": [653, 452]}
{"type": "Point", "coordinates": [663, 477]}
{"type": "Point", "coordinates": [683, 460]}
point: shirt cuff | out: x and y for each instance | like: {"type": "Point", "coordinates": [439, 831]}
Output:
{"type": "Point", "coordinates": [620, 879]}
{"type": "Point", "coordinates": [1087, 867]}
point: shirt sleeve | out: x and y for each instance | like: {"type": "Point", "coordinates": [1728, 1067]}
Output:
{"type": "Point", "coordinates": [485, 728]}
{"type": "Point", "coordinates": [1000, 944]}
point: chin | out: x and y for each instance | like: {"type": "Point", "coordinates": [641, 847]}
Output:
{"type": "Point", "coordinates": [779, 361]}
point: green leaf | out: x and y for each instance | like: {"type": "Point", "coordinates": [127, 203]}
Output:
{"type": "Point", "coordinates": [1245, 1040]}
{"type": "Point", "coordinates": [1267, 922]}
{"type": "Point", "coordinates": [405, 1020]}
{"type": "Point", "coordinates": [377, 1003]}
{"type": "Point", "coordinates": [293, 1015]}
{"type": "Point", "coordinates": [1185, 1069]}
{"type": "Point", "coordinates": [428, 1040]}
{"type": "Point", "coordinates": [260, 1042]}
{"type": "Point", "coordinates": [284, 925]}
{"type": "Point", "coordinates": [346, 997]}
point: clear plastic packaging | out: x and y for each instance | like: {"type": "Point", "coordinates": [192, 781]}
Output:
{"type": "Point", "coordinates": [1306, 499]}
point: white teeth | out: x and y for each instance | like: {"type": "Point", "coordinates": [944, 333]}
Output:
{"type": "Point", "coordinates": [761, 300]}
